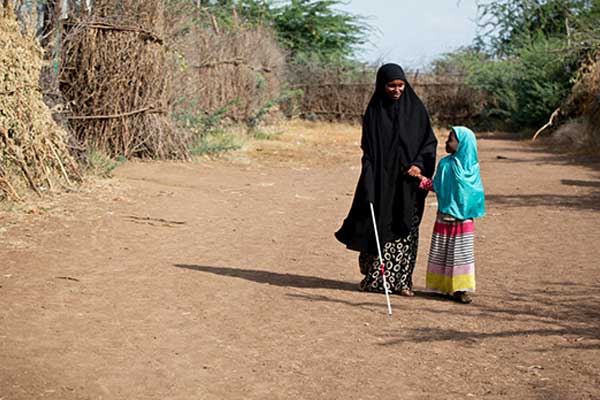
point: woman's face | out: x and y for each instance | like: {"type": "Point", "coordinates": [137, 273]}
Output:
{"type": "Point", "coordinates": [395, 88]}
{"type": "Point", "coordinates": [451, 143]}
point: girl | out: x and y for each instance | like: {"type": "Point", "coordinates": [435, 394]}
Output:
{"type": "Point", "coordinates": [398, 147]}
{"type": "Point", "coordinates": [460, 195]}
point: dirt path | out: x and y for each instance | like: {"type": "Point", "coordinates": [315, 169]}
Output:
{"type": "Point", "coordinates": [221, 279]}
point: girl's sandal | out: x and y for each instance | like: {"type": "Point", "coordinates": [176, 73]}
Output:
{"type": "Point", "coordinates": [462, 297]}
{"type": "Point", "coordinates": [407, 293]}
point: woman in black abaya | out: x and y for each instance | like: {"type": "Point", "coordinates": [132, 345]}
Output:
{"type": "Point", "coordinates": [398, 145]}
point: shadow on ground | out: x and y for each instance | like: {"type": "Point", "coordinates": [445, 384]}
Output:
{"type": "Point", "coordinates": [561, 309]}
{"type": "Point", "coordinates": [545, 152]}
{"type": "Point", "coordinates": [274, 278]}
{"type": "Point", "coordinates": [579, 202]}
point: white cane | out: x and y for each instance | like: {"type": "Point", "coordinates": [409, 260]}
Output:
{"type": "Point", "coordinates": [387, 295]}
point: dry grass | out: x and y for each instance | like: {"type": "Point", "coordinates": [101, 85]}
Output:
{"type": "Point", "coordinates": [301, 143]}
{"type": "Point", "coordinates": [33, 148]}
{"type": "Point", "coordinates": [304, 143]}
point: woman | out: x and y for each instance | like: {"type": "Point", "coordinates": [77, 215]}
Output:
{"type": "Point", "coordinates": [398, 147]}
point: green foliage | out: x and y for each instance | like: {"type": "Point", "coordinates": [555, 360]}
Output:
{"type": "Point", "coordinates": [522, 90]}
{"type": "Point", "coordinates": [316, 28]}
{"type": "Point", "coordinates": [527, 56]}
{"type": "Point", "coordinates": [100, 164]}
{"type": "Point", "coordinates": [258, 12]}
{"type": "Point", "coordinates": [544, 74]}
{"type": "Point", "coordinates": [206, 128]}
{"type": "Point", "coordinates": [264, 135]}
{"type": "Point", "coordinates": [197, 121]}
{"type": "Point", "coordinates": [216, 142]}
{"type": "Point", "coordinates": [481, 72]}
{"type": "Point", "coordinates": [509, 25]}
{"type": "Point", "coordinates": [287, 95]}
{"type": "Point", "coordinates": [313, 28]}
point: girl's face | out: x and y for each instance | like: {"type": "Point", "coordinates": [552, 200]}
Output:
{"type": "Point", "coordinates": [451, 143]}
{"type": "Point", "coordinates": [395, 88]}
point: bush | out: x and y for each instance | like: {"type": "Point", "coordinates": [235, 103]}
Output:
{"type": "Point", "coordinates": [522, 90]}
{"type": "Point", "coordinates": [545, 74]}
{"type": "Point", "coordinates": [221, 73]}
{"type": "Point", "coordinates": [526, 56]}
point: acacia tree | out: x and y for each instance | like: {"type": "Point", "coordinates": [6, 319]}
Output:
{"type": "Point", "coordinates": [312, 29]}
{"type": "Point", "coordinates": [316, 29]}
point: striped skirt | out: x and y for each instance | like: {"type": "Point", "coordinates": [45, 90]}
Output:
{"type": "Point", "coordinates": [451, 265]}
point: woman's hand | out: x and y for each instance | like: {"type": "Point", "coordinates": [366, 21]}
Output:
{"type": "Point", "coordinates": [414, 171]}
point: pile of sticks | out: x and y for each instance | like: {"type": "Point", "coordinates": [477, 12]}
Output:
{"type": "Point", "coordinates": [114, 79]}
{"type": "Point", "coordinates": [588, 87]}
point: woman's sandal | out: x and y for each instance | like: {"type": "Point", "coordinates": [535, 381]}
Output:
{"type": "Point", "coordinates": [462, 297]}
{"type": "Point", "coordinates": [407, 293]}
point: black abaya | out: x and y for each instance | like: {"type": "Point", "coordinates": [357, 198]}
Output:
{"type": "Point", "coordinates": [396, 135]}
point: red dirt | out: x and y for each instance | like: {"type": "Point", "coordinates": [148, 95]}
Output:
{"type": "Point", "coordinates": [221, 279]}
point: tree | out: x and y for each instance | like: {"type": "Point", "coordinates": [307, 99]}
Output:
{"type": "Point", "coordinates": [311, 29]}
{"type": "Point", "coordinates": [317, 30]}
{"type": "Point", "coordinates": [509, 25]}
{"type": "Point", "coordinates": [527, 55]}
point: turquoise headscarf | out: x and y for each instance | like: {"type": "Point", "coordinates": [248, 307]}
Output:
{"type": "Point", "coordinates": [457, 183]}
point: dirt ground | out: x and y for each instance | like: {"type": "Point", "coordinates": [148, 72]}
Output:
{"type": "Point", "coordinates": [221, 279]}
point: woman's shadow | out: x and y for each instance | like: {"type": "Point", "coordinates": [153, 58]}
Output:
{"type": "Point", "coordinates": [274, 278]}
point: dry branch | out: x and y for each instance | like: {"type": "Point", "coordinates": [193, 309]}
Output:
{"type": "Point", "coordinates": [212, 64]}
{"type": "Point", "coordinates": [548, 124]}
{"type": "Point", "coordinates": [149, 35]}
{"type": "Point", "coordinates": [235, 62]}
{"type": "Point", "coordinates": [11, 190]}
{"type": "Point", "coordinates": [119, 115]}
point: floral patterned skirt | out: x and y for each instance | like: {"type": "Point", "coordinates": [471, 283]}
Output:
{"type": "Point", "coordinates": [399, 257]}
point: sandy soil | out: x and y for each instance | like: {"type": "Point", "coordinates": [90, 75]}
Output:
{"type": "Point", "coordinates": [221, 279]}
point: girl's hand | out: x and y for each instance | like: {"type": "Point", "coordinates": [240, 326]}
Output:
{"type": "Point", "coordinates": [414, 171]}
{"type": "Point", "coordinates": [426, 184]}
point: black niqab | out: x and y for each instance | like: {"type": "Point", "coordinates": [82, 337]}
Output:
{"type": "Point", "coordinates": [396, 134]}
